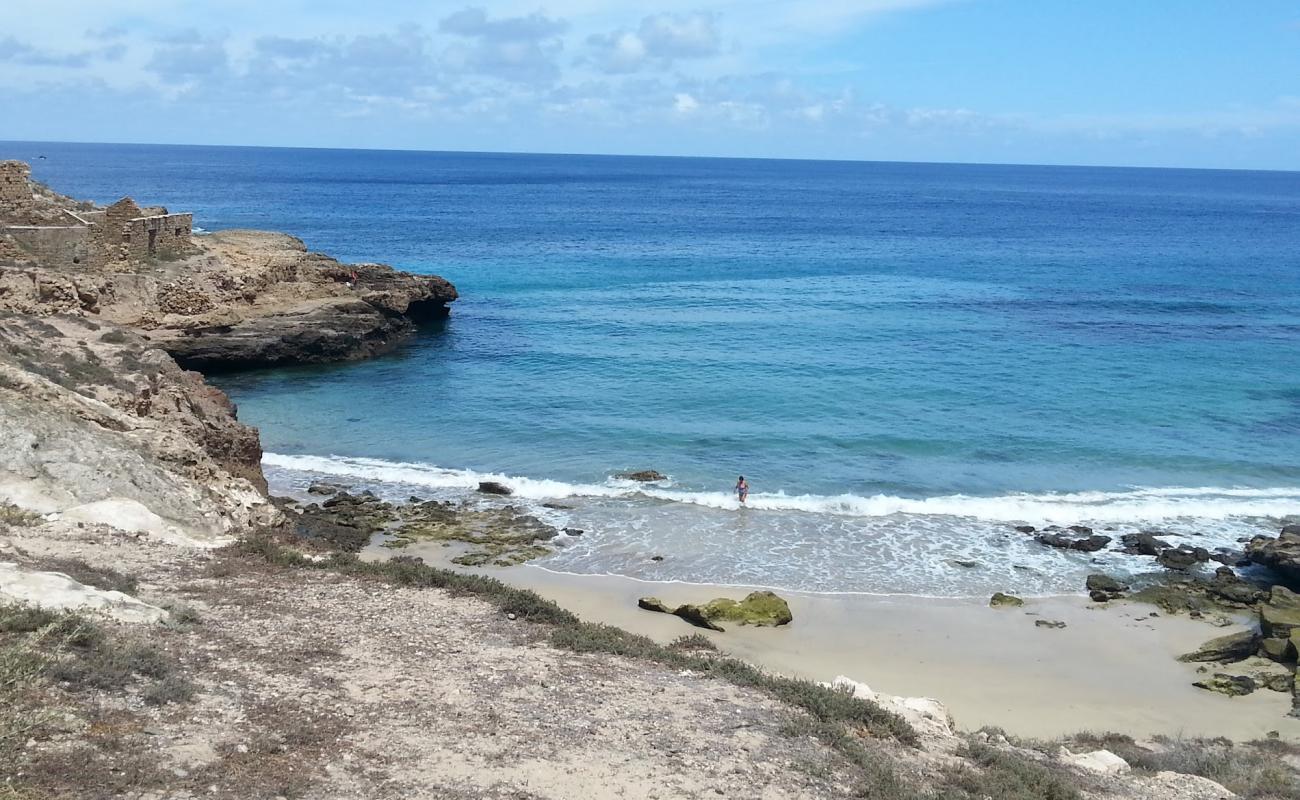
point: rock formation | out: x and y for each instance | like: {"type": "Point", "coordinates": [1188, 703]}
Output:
{"type": "Point", "coordinates": [226, 300]}
{"type": "Point", "coordinates": [100, 426]}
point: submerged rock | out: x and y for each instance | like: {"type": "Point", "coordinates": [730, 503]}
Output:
{"type": "Point", "coordinates": [1087, 544]}
{"type": "Point", "coordinates": [1000, 600]}
{"type": "Point", "coordinates": [643, 476]}
{"type": "Point", "coordinates": [1143, 544]}
{"type": "Point", "coordinates": [494, 487]}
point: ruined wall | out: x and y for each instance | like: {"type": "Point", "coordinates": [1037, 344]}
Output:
{"type": "Point", "coordinates": [54, 246]}
{"type": "Point", "coordinates": [163, 236]}
{"type": "Point", "coordinates": [16, 202]}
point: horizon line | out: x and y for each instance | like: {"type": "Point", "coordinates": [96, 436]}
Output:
{"type": "Point", "coordinates": [647, 155]}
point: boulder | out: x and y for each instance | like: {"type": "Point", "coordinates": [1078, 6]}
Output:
{"type": "Point", "coordinates": [758, 608]}
{"type": "Point", "coordinates": [1177, 558]}
{"type": "Point", "coordinates": [643, 476]}
{"type": "Point", "coordinates": [1087, 544]}
{"type": "Point", "coordinates": [1103, 762]}
{"type": "Point", "coordinates": [1104, 583]}
{"type": "Point", "coordinates": [1280, 615]}
{"type": "Point", "coordinates": [1082, 530]}
{"type": "Point", "coordinates": [1281, 553]}
{"type": "Point", "coordinates": [1026, 529]}
{"type": "Point", "coordinates": [494, 487]}
{"type": "Point", "coordinates": [1231, 685]}
{"type": "Point", "coordinates": [1000, 600]}
{"type": "Point", "coordinates": [1233, 647]}
{"type": "Point", "coordinates": [928, 716]}
{"type": "Point", "coordinates": [1143, 544]}
{"type": "Point", "coordinates": [1098, 596]}
{"type": "Point", "coordinates": [1228, 589]}
{"type": "Point", "coordinates": [1276, 648]}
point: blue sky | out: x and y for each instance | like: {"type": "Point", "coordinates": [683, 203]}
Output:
{"type": "Point", "coordinates": [1154, 82]}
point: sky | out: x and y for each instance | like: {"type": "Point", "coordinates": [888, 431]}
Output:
{"type": "Point", "coordinates": [1196, 83]}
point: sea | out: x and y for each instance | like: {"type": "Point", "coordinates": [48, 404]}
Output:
{"type": "Point", "coordinates": [904, 360]}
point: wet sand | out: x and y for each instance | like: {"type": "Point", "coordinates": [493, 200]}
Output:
{"type": "Point", "coordinates": [1111, 668]}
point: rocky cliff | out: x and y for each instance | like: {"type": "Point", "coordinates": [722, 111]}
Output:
{"type": "Point", "coordinates": [100, 426]}
{"type": "Point", "coordinates": [233, 299]}
{"type": "Point", "coordinates": [247, 298]}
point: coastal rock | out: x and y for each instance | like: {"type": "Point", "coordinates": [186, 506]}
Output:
{"type": "Point", "coordinates": [493, 487]}
{"type": "Point", "coordinates": [1278, 649]}
{"type": "Point", "coordinates": [1048, 623]}
{"type": "Point", "coordinates": [1233, 647]}
{"type": "Point", "coordinates": [1281, 614]}
{"type": "Point", "coordinates": [1143, 544]}
{"type": "Point", "coordinates": [1180, 558]}
{"type": "Point", "coordinates": [1097, 582]}
{"type": "Point", "coordinates": [1173, 598]}
{"type": "Point", "coordinates": [758, 608]}
{"type": "Point", "coordinates": [1280, 553]}
{"type": "Point", "coordinates": [1000, 600]}
{"type": "Point", "coordinates": [928, 716]}
{"type": "Point", "coordinates": [1231, 685]}
{"type": "Point", "coordinates": [56, 591]}
{"type": "Point", "coordinates": [653, 604]}
{"type": "Point", "coordinates": [643, 476]}
{"type": "Point", "coordinates": [1228, 589]}
{"type": "Point", "coordinates": [1087, 544]}
{"type": "Point", "coordinates": [1026, 528]}
{"type": "Point", "coordinates": [1103, 762]}
{"type": "Point", "coordinates": [696, 616]}
{"type": "Point", "coordinates": [98, 422]}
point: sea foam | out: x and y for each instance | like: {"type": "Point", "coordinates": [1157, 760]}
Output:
{"type": "Point", "coordinates": [1134, 505]}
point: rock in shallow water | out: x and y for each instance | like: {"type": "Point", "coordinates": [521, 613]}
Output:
{"type": "Point", "coordinates": [643, 476]}
{"type": "Point", "coordinates": [494, 487]}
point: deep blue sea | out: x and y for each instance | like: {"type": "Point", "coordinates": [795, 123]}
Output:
{"type": "Point", "coordinates": [903, 359]}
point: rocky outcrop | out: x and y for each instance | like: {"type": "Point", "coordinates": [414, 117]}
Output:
{"type": "Point", "coordinates": [246, 298]}
{"type": "Point", "coordinates": [1233, 647]}
{"type": "Point", "coordinates": [1280, 553]}
{"type": "Point", "coordinates": [100, 426]}
{"type": "Point", "coordinates": [56, 591]}
{"type": "Point", "coordinates": [763, 609]}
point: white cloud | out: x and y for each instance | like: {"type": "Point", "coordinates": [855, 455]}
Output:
{"type": "Point", "coordinates": [656, 43]}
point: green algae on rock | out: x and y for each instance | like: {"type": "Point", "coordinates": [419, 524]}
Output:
{"type": "Point", "coordinates": [1000, 600]}
{"type": "Point", "coordinates": [764, 609]}
{"type": "Point", "coordinates": [758, 608]}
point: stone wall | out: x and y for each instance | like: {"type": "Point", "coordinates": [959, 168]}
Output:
{"type": "Point", "coordinates": [54, 246]}
{"type": "Point", "coordinates": [16, 202]}
{"type": "Point", "coordinates": [163, 236]}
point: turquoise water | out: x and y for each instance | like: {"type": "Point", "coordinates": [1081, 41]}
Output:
{"type": "Point", "coordinates": [903, 359]}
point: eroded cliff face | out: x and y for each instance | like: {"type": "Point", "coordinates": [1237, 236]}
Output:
{"type": "Point", "coordinates": [99, 425]}
{"type": "Point", "coordinates": [246, 299]}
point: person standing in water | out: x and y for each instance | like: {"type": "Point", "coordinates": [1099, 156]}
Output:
{"type": "Point", "coordinates": [742, 489]}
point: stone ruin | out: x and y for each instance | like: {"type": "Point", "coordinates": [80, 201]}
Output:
{"type": "Point", "coordinates": [37, 225]}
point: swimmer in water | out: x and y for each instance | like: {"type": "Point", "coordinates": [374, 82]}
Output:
{"type": "Point", "coordinates": [742, 489]}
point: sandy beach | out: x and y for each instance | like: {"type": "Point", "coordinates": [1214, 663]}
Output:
{"type": "Point", "coordinates": [1112, 668]}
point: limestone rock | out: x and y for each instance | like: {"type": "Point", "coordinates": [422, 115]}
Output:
{"type": "Point", "coordinates": [56, 591]}
{"type": "Point", "coordinates": [1000, 600]}
{"type": "Point", "coordinates": [1278, 649]}
{"type": "Point", "coordinates": [1103, 762]}
{"type": "Point", "coordinates": [653, 604]}
{"type": "Point", "coordinates": [99, 424]}
{"type": "Point", "coordinates": [1281, 614]}
{"type": "Point", "coordinates": [697, 616]}
{"type": "Point", "coordinates": [1233, 647]}
{"type": "Point", "coordinates": [928, 716]}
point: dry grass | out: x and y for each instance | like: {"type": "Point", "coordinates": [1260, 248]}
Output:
{"type": "Point", "coordinates": [1254, 770]}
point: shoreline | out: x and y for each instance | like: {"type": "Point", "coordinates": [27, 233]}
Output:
{"type": "Point", "coordinates": [1111, 668]}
